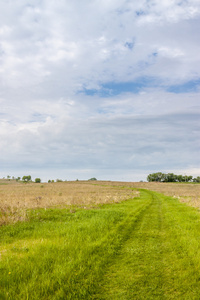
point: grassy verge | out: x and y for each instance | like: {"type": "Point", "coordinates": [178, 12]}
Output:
{"type": "Point", "coordinates": [59, 255]}
{"type": "Point", "coordinates": [142, 248]}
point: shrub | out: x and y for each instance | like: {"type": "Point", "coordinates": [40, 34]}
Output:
{"type": "Point", "coordinates": [37, 180]}
{"type": "Point", "coordinates": [26, 178]}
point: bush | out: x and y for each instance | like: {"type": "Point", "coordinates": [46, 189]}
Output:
{"type": "Point", "coordinates": [26, 178]}
{"type": "Point", "coordinates": [37, 180]}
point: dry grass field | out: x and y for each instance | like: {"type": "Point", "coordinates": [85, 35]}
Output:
{"type": "Point", "coordinates": [144, 248]}
{"type": "Point", "coordinates": [16, 198]}
{"type": "Point", "coordinates": [185, 192]}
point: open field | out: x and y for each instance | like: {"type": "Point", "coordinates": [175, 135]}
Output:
{"type": "Point", "coordinates": [17, 198]}
{"type": "Point", "coordinates": [188, 193]}
{"type": "Point", "coordinates": [146, 247]}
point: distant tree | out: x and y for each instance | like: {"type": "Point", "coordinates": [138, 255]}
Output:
{"type": "Point", "coordinates": [180, 178]}
{"type": "Point", "coordinates": [170, 177]}
{"type": "Point", "coordinates": [18, 178]}
{"type": "Point", "coordinates": [93, 178]}
{"type": "Point", "coordinates": [58, 180]}
{"type": "Point", "coordinates": [37, 180]}
{"type": "Point", "coordinates": [187, 178]}
{"type": "Point", "coordinates": [156, 177]}
{"type": "Point", "coordinates": [49, 181]}
{"type": "Point", "coordinates": [196, 179]}
{"type": "Point", "coordinates": [26, 178]}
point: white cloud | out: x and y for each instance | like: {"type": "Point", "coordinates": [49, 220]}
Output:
{"type": "Point", "coordinates": [51, 52]}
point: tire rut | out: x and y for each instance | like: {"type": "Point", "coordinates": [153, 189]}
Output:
{"type": "Point", "coordinates": [129, 259]}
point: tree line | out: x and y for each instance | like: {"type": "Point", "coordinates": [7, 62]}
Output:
{"type": "Point", "coordinates": [25, 178]}
{"type": "Point", "coordinates": [171, 177]}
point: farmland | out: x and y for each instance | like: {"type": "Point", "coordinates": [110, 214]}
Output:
{"type": "Point", "coordinates": [99, 240]}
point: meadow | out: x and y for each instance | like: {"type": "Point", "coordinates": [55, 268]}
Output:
{"type": "Point", "coordinates": [99, 240]}
{"type": "Point", "coordinates": [19, 199]}
{"type": "Point", "coordinates": [186, 192]}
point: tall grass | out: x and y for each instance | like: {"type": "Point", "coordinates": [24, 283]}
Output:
{"type": "Point", "coordinates": [146, 247]}
{"type": "Point", "coordinates": [17, 199]}
{"type": "Point", "coordinates": [62, 255]}
{"type": "Point", "coordinates": [186, 192]}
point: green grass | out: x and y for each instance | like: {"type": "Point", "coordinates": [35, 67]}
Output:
{"type": "Point", "coordinates": [142, 248]}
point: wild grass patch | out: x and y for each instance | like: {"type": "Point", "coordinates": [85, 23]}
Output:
{"type": "Point", "coordinates": [17, 199]}
{"type": "Point", "coordinates": [62, 257]}
{"type": "Point", "coordinates": [146, 247]}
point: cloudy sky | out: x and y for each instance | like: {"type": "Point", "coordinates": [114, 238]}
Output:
{"type": "Point", "coordinates": [99, 88]}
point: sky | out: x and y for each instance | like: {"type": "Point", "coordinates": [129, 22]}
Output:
{"type": "Point", "coordinates": [99, 88]}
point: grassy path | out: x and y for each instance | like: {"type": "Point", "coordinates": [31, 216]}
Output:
{"type": "Point", "coordinates": [138, 270]}
{"type": "Point", "coordinates": [144, 248]}
{"type": "Point", "coordinates": [161, 260]}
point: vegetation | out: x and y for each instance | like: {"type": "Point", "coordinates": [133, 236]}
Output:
{"type": "Point", "coordinates": [146, 247]}
{"type": "Point", "coordinates": [171, 177]}
{"type": "Point", "coordinates": [26, 178]}
{"type": "Point", "coordinates": [17, 199]}
{"type": "Point", "coordinates": [37, 180]}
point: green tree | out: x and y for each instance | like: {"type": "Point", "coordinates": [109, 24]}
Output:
{"type": "Point", "coordinates": [156, 177]}
{"type": "Point", "coordinates": [180, 178]}
{"type": "Point", "coordinates": [26, 178]}
{"type": "Point", "coordinates": [37, 180]}
{"type": "Point", "coordinates": [170, 177]}
{"type": "Point", "coordinates": [196, 179]}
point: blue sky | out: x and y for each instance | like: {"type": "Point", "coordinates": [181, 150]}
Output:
{"type": "Point", "coordinates": [115, 88]}
{"type": "Point", "coordinates": [105, 89]}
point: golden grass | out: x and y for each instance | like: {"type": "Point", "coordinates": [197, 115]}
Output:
{"type": "Point", "coordinates": [185, 192]}
{"type": "Point", "coordinates": [16, 197]}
